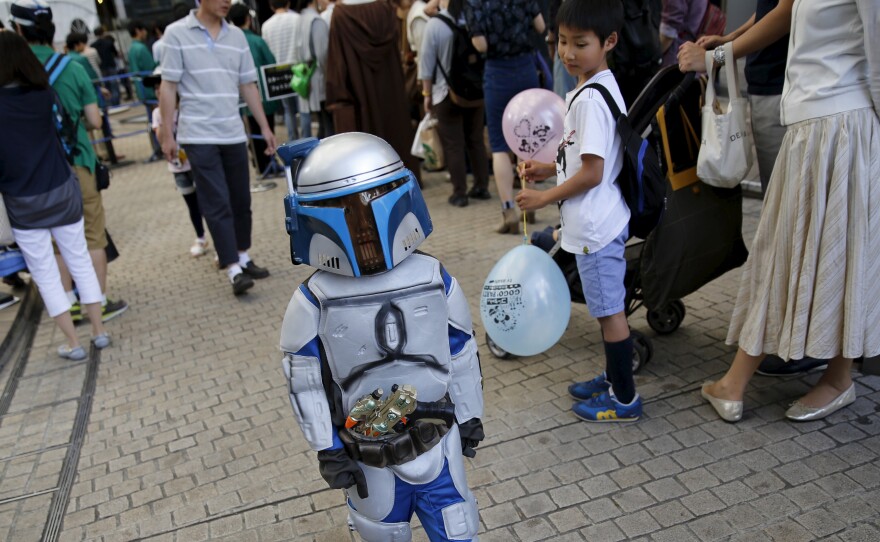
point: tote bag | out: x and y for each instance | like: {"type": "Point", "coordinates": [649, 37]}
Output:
{"type": "Point", "coordinates": [726, 149]}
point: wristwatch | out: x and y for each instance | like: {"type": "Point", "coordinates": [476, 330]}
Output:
{"type": "Point", "coordinates": [718, 56]}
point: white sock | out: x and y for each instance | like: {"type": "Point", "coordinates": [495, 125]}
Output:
{"type": "Point", "coordinates": [103, 299]}
{"type": "Point", "coordinates": [232, 270]}
{"type": "Point", "coordinates": [71, 297]}
{"type": "Point", "coordinates": [243, 258]}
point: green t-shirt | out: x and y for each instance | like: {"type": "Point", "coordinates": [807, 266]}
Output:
{"type": "Point", "coordinates": [75, 90]}
{"type": "Point", "coordinates": [140, 59]}
{"type": "Point", "coordinates": [262, 57]}
{"type": "Point", "coordinates": [84, 62]}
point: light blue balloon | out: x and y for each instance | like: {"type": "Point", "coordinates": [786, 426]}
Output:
{"type": "Point", "coordinates": [525, 304]}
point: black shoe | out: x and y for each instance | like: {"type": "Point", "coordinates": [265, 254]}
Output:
{"type": "Point", "coordinates": [254, 271]}
{"type": "Point", "coordinates": [241, 283]}
{"type": "Point", "coordinates": [458, 201]}
{"type": "Point", "coordinates": [776, 366]}
{"type": "Point", "coordinates": [112, 309]}
{"type": "Point", "coordinates": [479, 193]}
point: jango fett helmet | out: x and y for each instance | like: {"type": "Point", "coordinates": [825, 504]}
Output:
{"type": "Point", "coordinates": [352, 207]}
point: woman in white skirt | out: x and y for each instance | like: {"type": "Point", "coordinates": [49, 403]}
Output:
{"type": "Point", "coordinates": [811, 285]}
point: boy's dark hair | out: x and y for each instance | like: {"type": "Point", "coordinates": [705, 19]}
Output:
{"type": "Point", "coordinates": [74, 39]}
{"type": "Point", "coordinates": [134, 26]}
{"type": "Point", "coordinates": [20, 65]}
{"type": "Point", "coordinates": [238, 14]}
{"type": "Point", "coordinates": [602, 17]}
{"type": "Point", "coordinates": [99, 31]}
{"type": "Point", "coordinates": [279, 4]}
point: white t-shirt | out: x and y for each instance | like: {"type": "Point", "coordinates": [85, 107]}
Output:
{"type": "Point", "coordinates": [181, 164]}
{"type": "Point", "coordinates": [594, 218]}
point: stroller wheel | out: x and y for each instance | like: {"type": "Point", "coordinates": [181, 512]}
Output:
{"type": "Point", "coordinates": [496, 350]}
{"type": "Point", "coordinates": [668, 318]}
{"type": "Point", "coordinates": [643, 350]}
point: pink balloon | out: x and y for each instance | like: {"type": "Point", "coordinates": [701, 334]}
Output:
{"type": "Point", "coordinates": [532, 124]}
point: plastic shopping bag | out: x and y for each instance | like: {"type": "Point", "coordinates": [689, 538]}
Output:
{"type": "Point", "coordinates": [426, 145]}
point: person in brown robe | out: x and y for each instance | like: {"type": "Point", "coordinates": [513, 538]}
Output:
{"type": "Point", "coordinates": [365, 88]}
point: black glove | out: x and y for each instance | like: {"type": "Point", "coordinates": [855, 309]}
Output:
{"type": "Point", "coordinates": [341, 472]}
{"type": "Point", "coordinates": [471, 433]}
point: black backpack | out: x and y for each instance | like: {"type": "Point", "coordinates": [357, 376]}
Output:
{"type": "Point", "coordinates": [638, 44]}
{"type": "Point", "coordinates": [465, 79]}
{"type": "Point", "coordinates": [641, 179]}
{"type": "Point", "coordinates": [65, 127]}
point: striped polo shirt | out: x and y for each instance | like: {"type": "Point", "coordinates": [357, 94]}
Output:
{"type": "Point", "coordinates": [208, 73]}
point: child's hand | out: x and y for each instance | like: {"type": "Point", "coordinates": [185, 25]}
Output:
{"type": "Point", "coordinates": [530, 200]}
{"type": "Point", "coordinates": [533, 171]}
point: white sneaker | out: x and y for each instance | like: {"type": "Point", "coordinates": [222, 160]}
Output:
{"type": "Point", "coordinates": [199, 248]}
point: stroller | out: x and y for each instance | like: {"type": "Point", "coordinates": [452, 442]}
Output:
{"type": "Point", "coordinates": [676, 259]}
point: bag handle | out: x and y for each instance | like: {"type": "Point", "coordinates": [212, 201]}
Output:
{"type": "Point", "coordinates": [710, 85]}
{"type": "Point", "coordinates": [732, 73]}
{"type": "Point", "coordinates": [732, 76]}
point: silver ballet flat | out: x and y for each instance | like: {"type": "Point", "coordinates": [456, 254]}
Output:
{"type": "Point", "coordinates": [730, 411]}
{"type": "Point", "coordinates": [798, 412]}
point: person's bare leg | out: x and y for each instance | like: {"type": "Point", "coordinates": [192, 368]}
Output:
{"type": "Point", "coordinates": [65, 324]}
{"type": "Point", "coordinates": [503, 171]}
{"type": "Point", "coordinates": [834, 381]}
{"type": "Point", "coordinates": [732, 386]}
{"type": "Point", "coordinates": [94, 312]}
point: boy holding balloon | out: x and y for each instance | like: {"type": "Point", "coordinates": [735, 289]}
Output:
{"type": "Point", "coordinates": [593, 212]}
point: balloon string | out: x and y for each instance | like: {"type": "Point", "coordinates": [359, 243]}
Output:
{"type": "Point", "coordinates": [522, 186]}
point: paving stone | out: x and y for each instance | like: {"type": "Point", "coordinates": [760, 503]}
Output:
{"type": "Point", "coordinates": [603, 532]}
{"type": "Point", "coordinates": [601, 510]}
{"type": "Point", "coordinates": [534, 529]}
{"type": "Point", "coordinates": [637, 524]}
{"type": "Point", "coordinates": [633, 499]}
{"type": "Point", "coordinates": [787, 531]}
{"type": "Point", "coordinates": [820, 522]}
{"type": "Point", "coordinates": [670, 513]}
{"type": "Point", "coordinates": [702, 503]}
{"type": "Point", "coordinates": [568, 519]}
{"type": "Point", "coordinates": [861, 533]}
{"type": "Point", "coordinates": [535, 505]}
{"type": "Point", "coordinates": [665, 489]}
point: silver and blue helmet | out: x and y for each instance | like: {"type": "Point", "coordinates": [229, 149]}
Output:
{"type": "Point", "coordinates": [352, 207]}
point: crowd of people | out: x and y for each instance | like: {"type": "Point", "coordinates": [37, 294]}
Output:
{"type": "Point", "coordinates": [379, 66]}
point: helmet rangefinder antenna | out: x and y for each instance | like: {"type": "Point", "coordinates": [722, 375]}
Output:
{"type": "Point", "coordinates": [292, 154]}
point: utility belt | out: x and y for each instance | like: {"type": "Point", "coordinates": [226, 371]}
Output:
{"type": "Point", "coordinates": [393, 449]}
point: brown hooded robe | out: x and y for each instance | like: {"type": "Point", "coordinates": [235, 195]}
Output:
{"type": "Point", "coordinates": [365, 89]}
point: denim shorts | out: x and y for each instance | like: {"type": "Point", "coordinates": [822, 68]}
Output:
{"type": "Point", "coordinates": [504, 78]}
{"type": "Point", "coordinates": [602, 275]}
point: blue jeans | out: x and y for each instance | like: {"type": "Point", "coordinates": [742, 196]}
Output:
{"type": "Point", "coordinates": [504, 78]}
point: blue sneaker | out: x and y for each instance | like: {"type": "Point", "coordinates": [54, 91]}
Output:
{"type": "Point", "coordinates": [582, 391]}
{"type": "Point", "coordinates": [606, 408]}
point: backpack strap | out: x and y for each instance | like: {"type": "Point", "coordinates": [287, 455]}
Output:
{"type": "Point", "coordinates": [455, 28]}
{"type": "Point", "coordinates": [609, 99]}
{"type": "Point", "coordinates": [54, 65]}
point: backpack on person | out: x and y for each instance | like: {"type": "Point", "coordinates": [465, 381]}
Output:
{"type": "Point", "coordinates": [638, 44]}
{"type": "Point", "coordinates": [465, 77]}
{"type": "Point", "coordinates": [65, 127]}
{"type": "Point", "coordinates": [640, 179]}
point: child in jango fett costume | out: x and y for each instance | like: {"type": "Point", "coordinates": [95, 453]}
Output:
{"type": "Point", "coordinates": [379, 352]}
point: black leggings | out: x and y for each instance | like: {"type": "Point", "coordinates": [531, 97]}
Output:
{"type": "Point", "coordinates": [195, 214]}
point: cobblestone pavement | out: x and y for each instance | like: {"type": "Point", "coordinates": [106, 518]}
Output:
{"type": "Point", "coordinates": [190, 435]}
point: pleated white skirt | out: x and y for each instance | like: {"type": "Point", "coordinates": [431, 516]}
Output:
{"type": "Point", "coordinates": [811, 285]}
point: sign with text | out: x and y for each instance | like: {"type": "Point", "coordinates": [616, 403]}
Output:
{"type": "Point", "coordinates": [276, 81]}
